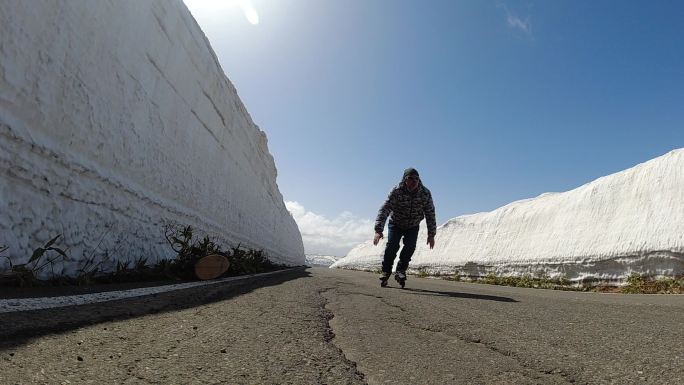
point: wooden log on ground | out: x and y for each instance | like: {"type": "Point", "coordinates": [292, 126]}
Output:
{"type": "Point", "coordinates": [211, 266]}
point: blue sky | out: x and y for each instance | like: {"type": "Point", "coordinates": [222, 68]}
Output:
{"type": "Point", "coordinates": [492, 101]}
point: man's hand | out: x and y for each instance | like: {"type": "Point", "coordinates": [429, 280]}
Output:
{"type": "Point", "coordinates": [378, 237]}
{"type": "Point", "coordinates": [431, 242]}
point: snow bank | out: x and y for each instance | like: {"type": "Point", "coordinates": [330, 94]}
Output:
{"type": "Point", "coordinates": [115, 118]}
{"type": "Point", "coordinates": [631, 221]}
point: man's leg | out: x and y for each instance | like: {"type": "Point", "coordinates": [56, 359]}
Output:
{"type": "Point", "coordinates": [393, 238]}
{"type": "Point", "coordinates": [410, 240]}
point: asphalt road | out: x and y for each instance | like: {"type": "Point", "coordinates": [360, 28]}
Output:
{"type": "Point", "coordinates": [323, 326]}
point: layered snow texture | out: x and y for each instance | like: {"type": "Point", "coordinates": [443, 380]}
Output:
{"type": "Point", "coordinates": [116, 118]}
{"type": "Point", "coordinates": [624, 223]}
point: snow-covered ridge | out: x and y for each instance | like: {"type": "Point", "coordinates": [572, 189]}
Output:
{"type": "Point", "coordinates": [630, 221]}
{"type": "Point", "coordinates": [116, 117]}
{"type": "Point", "coordinates": [321, 260]}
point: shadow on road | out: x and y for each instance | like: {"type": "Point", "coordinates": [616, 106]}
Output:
{"type": "Point", "coordinates": [19, 328]}
{"type": "Point", "coordinates": [459, 295]}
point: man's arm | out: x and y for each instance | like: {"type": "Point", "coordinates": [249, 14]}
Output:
{"type": "Point", "coordinates": [383, 213]}
{"type": "Point", "coordinates": [429, 211]}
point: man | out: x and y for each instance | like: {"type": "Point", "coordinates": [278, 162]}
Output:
{"type": "Point", "coordinates": [407, 204]}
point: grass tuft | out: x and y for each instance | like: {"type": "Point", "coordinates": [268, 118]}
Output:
{"type": "Point", "coordinates": [639, 284]}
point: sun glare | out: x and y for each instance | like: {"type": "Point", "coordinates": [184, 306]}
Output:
{"type": "Point", "coordinates": [216, 5]}
{"type": "Point", "coordinates": [250, 13]}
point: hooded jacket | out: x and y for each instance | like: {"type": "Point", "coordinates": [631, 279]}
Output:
{"type": "Point", "coordinates": [407, 209]}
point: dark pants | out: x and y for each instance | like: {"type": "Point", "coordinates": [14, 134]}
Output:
{"type": "Point", "coordinates": [395, 234]}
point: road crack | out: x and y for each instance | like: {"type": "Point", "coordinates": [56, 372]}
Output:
{"type": "Point", "coordinates": [382, 299]}
{"type": "Point", "coordinates": [555, 373]}
{"type": "Point", "coordinates": [329, 334]}
{"type": "Point", "coordinates": [537, 373]}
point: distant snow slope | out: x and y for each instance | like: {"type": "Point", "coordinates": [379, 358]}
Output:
{"type": "Point", "coordinates": [116, 117]}
{"type": "Point", "coordinates": [321, 260]}
{"type": "Point", "coordinates": [631, 221]}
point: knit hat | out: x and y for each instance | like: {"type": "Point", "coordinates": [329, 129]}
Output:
{"type": "Point", "coordinates": [410, 172]}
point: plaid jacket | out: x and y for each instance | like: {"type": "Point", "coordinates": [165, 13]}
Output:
{"type": "Point", "coordinates": [406, 209]}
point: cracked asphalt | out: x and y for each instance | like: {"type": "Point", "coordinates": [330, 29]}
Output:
{"type": "Point", "coordinates": [322, 326]}
{"type": "Point", "coordinates": [441, 332]}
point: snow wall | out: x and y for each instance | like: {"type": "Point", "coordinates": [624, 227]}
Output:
{"type": "Point", "coordinates": [116, 118]}
{"type": "Point", "coordinates": [628, 222]}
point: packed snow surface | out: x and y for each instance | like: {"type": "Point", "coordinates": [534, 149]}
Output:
{"type": "Point", "coordinates": [628, 222]}
{"type": "Point", "coordinates": [115, 118]}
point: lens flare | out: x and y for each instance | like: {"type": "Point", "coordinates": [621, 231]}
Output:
{"type": "Point", "coordinates": [250, 13]}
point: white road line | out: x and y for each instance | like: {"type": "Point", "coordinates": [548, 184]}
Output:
{"type": "Point", "coordinates": [25, 304]}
